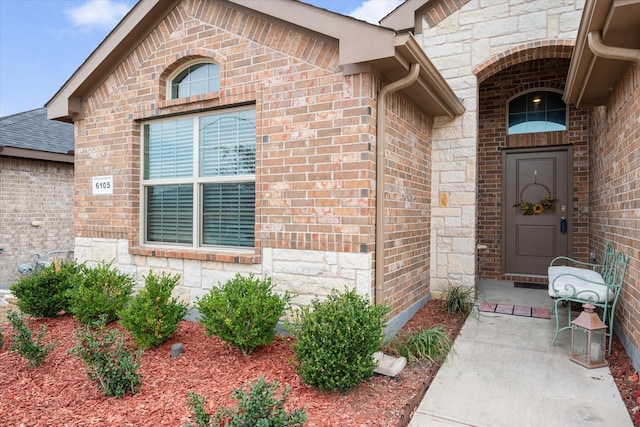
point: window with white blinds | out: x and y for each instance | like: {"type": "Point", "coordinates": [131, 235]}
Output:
{"type": "Point", "coordinates": [199, 180]}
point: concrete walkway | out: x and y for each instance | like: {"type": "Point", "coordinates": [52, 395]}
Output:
{"type": "Point", "coordinates": [505, 373]}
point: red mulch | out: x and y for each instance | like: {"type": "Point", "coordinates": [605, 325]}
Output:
{"type": "Point", "coordinates": [59, 394]}
{"type": "Point", "coordinates": [626, 379]}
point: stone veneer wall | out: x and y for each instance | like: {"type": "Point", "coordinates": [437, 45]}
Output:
{"type": "Point", "coordinates": [615, 196]}
{"type": "Point", "coordinates": [495, 92]}
{"type": "Point", "coordinates": [308, 274]}
{"type": "Point", "coordinates": [459, 46]}
{"type": "Point", "coordinates": [36, 211]}
{"type": "Point", "coordinates": [315, 160]}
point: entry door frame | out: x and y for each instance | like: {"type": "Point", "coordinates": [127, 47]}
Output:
{"type": "Point", "coordinates": [569, 204]}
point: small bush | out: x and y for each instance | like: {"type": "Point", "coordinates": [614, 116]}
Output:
{"type": "Point", "coordinates": [152, 316]}
{"type": "Point", "coordinates": [258, 406]}
{"type": "Point", "coordinates": [243, 312]}
{"type": "Point", "coordinates": [44, 294]}
{"type": "Point", "coordinates": [110, 363]}
{"type": "Point", "coordinates": [458, 300]}
{"type": "Point", "coordinates": [197, 405]}
{"type": "Point", "coordinates": [99, 291]}
{"type": "Point", "coordinates": [336, 339]}
{"type": "Point", "coordinates": [1, 340]}
{"type": "Point", "coordinates": [35, 351]}
{"type": "Point", "coordinates": [426, 344]}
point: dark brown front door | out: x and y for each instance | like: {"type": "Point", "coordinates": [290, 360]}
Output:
{"type": "Point", "coordinates": [537, 198]}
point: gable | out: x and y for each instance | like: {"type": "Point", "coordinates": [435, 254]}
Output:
{"type": "Point", "coordinates": [360, 47]}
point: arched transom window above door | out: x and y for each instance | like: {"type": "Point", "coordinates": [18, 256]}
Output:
{"type": "Point", "coordinates": [195, 79]}
{"type": "Point", "coordinates": [536, 111]}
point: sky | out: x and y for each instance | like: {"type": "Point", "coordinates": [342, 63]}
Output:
{"type": "Point", "coordinates": [43, 42]}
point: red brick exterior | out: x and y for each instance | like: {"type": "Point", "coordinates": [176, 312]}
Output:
{"type": "Point", "coordinates": [615, 191]}
{"type": "Point", "coordinates": [439, 10]}
{"type": "Point", "coordinates": [547, 49]}
{"type": "Point", "coordinates": [408, 205]}
{"type": "Point", "coordinates": [315, 149]}
{"type": "Point", "coordinates": [494, 94]}
{"type": "Point", "coordinates": [36, 208]}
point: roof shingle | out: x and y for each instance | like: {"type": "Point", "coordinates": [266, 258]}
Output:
{"type": "Point", "coordinates": [33, 131]}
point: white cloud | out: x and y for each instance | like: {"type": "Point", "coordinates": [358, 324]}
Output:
{"type": "Point", "coordinates": [98, 13]}
{"type": "Point", "coordinates": [373, 11]}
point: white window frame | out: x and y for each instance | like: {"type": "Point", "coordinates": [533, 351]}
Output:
{"type": "Point", "coordinates": [175, 74]}
{"type": "Point", "coordinates": [195, 180]}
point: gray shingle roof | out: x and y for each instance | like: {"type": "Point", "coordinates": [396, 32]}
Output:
{"type": "Point", "coordinates": [33, 131]}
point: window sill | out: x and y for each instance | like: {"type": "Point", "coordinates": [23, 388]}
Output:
{"type": "Point", "coordinates": [189, 100]}
{"type": "Point", "coordinates": [199, 255]}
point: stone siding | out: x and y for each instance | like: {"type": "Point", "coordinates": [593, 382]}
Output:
{"type": "Point", "coordinates": [472, 37]}
{"type": "Point", "coordinates": [306, 274]}
{"type": "Point", "coordinates": [36, 211]}
{"type": "Point", "coordinates": [615, 195]}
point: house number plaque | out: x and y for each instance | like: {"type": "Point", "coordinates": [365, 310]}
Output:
{"type": "Point", "coordinates": [102, 184]}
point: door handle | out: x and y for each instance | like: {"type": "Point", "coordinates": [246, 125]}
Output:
{"type": "Point", "coordinates": [563, 225]}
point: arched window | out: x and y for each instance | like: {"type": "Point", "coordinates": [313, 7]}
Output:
{"type": "Point", "coordinates": [203, 77]}
{"type": "Point", "coordinates": [537, 111]}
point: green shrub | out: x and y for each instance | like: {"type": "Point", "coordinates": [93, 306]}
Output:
{"type": "Point", "coordinates": [44, 293]}
{"type": "Point", "coordinates": [1, 340]}
{"type": "Point", "coordinates": [35, 351]}
{"type": "Point", "coordinates": [431, 344]}
{"type": "Point", "coordinates": [458, 300]}
{"type": "Point", "coordinates": [99, 291]}
{"type": "Point", "coordinates": [152, 315]}
{"type": "Point", "coordinates": [197, 405]}
{"type": "Point", "coordinates": [258, 406]}
{"type": "Point", "coordinates": [336, 339]}
{"type": "Point", "coordinates": [110, 363]}
{"type": "Point", "coordinates": [243, 312]}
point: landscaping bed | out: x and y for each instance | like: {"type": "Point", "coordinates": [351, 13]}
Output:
{"type": "Point", "coordinates": [58, 393]}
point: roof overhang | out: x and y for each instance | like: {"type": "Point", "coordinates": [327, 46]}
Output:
{"type": "Point", "coordinates": [67, 104]}
{"type": "Point", "coordinates": [406, 16]}
{"type": "Point", "coordinates": [360, 44]}
{"type": "Point", "coordinates": [430, 92]}
{"type": "Point", "coordinates": [596, 66]}
{"type": "Point", "coordinates": [365, 46]}
{"type": "Point", "coordinates": [24, 153]}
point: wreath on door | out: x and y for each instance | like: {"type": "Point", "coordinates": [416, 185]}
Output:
{"type": "Point", "coordinates": [546, 204]}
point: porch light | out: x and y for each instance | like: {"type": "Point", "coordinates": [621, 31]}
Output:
{"type": "Point", "coordinates": [536, 100]}
{"type": "Point", "coordinates": [588, 335]}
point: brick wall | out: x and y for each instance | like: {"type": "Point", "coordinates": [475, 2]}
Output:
{"type": "Point", "coordinates": [494, 94]}
{"type": "Point", "coordinates": [615, 195]}
{"type": "Point", "coordinates": [315, 159]}
{"type": "Point", "coordinates": [439, 10]}
{"type": "Point", "coordinates": [36, 211]}
{"type": "Point", "coordinates": [407, 205]}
